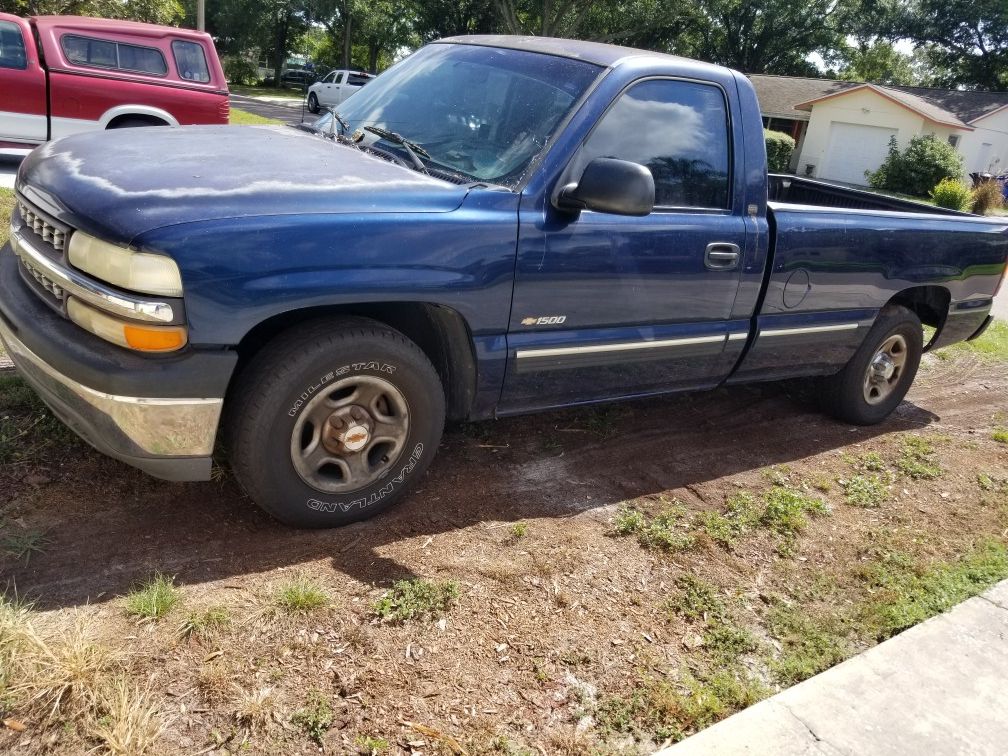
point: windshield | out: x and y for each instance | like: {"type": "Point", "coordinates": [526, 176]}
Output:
{"type": "Point", "coordinates": [484, 112]}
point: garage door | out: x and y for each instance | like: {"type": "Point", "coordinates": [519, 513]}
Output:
{"type": "Point", "coordinates": [854, 149]}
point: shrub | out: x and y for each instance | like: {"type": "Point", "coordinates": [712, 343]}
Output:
{"type": "Point", "coordinates": [987, 196]}
{"type": "Point", "coordinates": [917, 169]}
{"type": "Point", "coordinates": [779, 148]}
{"type": "Point", "coordinates": [951, 193]}
{"type": "Point", "coordinates": [238, 70]}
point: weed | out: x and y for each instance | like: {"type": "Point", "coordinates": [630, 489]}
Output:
{"type": "Point", "coordinates": [739, 517]}
{"type": "Point", "coordinates": [300, 596]}
{"type": "Point", "coordinates": [152, 600]}
{"type": "Point", "coordinates": [663, 533]}
{"type": "Point", "coordinates": [519, 529]}
{"type": "Point", "coordinates": [204, 622]}
{"type": "Point", "coordinates": [601, 421]}
{"type": "Point", "coordinates": [131, 723]}
{"type": "Point", "coordinates": [785, 509]}
{"type": "Point", "coordinates": [697, 599]}
{"type": "Point", "coordinates": [986, 482]}
{"type": "Point", "coordinates": [253, 709]}
{"type": "Point", "coordinates": [727, 643]}
{"type": "Point", "coordinates": [915, 459]}
{"type": "Point", "coordinates": [865, 490]}
{"type": "Point", "coordinates": [822, 483]}
{"type": "Point", "coordinates": [628, 521]}
{"type": "Point", "coordinates": [412, 599]}
{"type": "Point", "coordinates": [370, 746]}
{"type": "Point", "coordinates": [778, 475]}
{"type": "Point", "coordinates": [809, 645]}
{"type": "Point", "coordinates": [870, 461]}
{"type": "Point", "coordinates": [23, 545]}
{"type": "Point", "coordinates": [1000, 435]}
{"type": "Point", "coordinates": [316, 718]}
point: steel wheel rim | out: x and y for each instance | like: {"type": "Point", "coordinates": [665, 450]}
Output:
{"type": "Point", "coordinates": [885, 369]}
{"type": "Point", "coordinates": [349, 435]}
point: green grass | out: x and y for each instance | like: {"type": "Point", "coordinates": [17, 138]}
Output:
{"type": "Point", "coordinates": [916, 459]}
{"type": "Point", "coordinates": [696, 600]}
{"type": "Point", "coordinates": [666, 531]}
{"type": "Point", "coordinates": [415, 599]}
{"type": "Point", "coordinates": [370, 746]}
{"type": "Point", "coordinates": [809, 645]}
{"type": "Point", "coordinates": [27, 428]}
{"type": "Point", "coordinates": [519, 529]}
{"type": "Point", "coordinates": [23, 545]}
{"type": "Point", "coordinates": [866, 490]}
{"type": "Point", "coordinates": [316, 718]}
{"type": "Point", "coordinates": [152, 600]}
{"type": "Point", "coordinates": [6, 207]}
{"type": "Point", "coordinates": [1000, 435]}
{"type": "Point", "coordinates": [205, 622]}
{"type": "Point", "coordinates": [244, 118]}
{"type": "Point", "coordinates": [991, 347]}
{"type": "Point", "coordinates": [300, 596]}
{"type": "Point", "coordinates": [786, 510]}
{"type": "Point", "coordinates": [628, 521]}
{"type": "Point", "coordinates": [266, 92]}
{"type": "Point", "coordinates": [906, 594]}
{"type": "Point", "coordinates": [739, 517]}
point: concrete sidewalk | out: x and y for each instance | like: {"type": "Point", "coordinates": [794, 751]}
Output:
{"type": "Point", "coordinates": [939, 688]}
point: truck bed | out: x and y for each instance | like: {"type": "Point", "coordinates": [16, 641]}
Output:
{"type": "Point", "coordinates": [797, 190]}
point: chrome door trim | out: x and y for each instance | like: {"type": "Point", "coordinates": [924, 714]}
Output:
{"type": "Point", "coordinates": [622, 346]}
{"type": "Point", "coordinates": [809, 329]}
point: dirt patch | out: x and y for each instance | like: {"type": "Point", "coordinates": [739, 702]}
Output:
{"type": "Point", "coordinates": [563, 636]}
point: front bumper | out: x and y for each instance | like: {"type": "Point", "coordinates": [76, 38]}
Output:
{"type": "Point", "coordinates": [170, 436]}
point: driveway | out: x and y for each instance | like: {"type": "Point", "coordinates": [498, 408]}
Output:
{"type": "Point", "coordinates": [274, 107]}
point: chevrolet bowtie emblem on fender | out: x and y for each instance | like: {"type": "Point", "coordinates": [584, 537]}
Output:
{"type": "Point", "coordinates": [544, 320]}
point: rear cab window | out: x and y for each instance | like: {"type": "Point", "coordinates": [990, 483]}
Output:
{"type": "Point", "coordinates": [190, 60]}
{"type": "Point", "coordinates": [358, 80]}
{"type": "Point", "coordinates": [12, 47]}
{"type": "Point", "coordinates": [113, 55]}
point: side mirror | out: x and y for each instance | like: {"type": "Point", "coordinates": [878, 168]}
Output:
{"type": "Point", "coordinates": [610, 186]}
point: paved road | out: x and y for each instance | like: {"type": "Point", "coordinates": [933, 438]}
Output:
{"type": "Point", "coordinates": [937, 689]}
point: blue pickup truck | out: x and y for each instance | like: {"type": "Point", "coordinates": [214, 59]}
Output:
{"type": "Point", "coordinates": [496, 225]}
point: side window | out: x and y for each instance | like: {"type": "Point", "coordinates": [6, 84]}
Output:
{"type": "Point", "coordinates": [329, 77]}
{"type": "Point", "coordinates": [678, 130]}
{"type": "Point", "coordinates": [190, 61]}
{"type": "Point", "coordinates": [12, 48]}
{"type": "Point", "coordinates": [339, 78]}
{"type": "Point", "coordinates": [103, 53]}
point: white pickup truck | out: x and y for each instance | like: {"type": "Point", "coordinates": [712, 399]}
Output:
{"type": "Point", "coordinates": [335, 87]}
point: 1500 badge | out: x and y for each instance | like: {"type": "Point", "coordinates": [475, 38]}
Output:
{"type": "Point", "coordinates": [544, 320]}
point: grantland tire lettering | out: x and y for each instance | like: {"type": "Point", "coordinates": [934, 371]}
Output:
{"type": "Point", "coordinates": [332, 506]}
{"type": "Point", "coordinates": [328, 377]}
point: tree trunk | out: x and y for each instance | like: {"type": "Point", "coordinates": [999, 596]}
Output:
{"type": "Point", "coordinates": [347, 50]}
{"type": "Point", "coordinates": [281, 50]}
{"type": "Point", "coordinates": [374, 50]}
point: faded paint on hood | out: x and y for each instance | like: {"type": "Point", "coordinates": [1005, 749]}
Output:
{"type": "Point", "coordinates": [122, 183]}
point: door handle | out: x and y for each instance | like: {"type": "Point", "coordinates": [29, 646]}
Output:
{"type": "Point", "coordinates": [722, 256]}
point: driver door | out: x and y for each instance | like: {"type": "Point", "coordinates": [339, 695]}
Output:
{"type": "Point", "coordinates": [608, 306]}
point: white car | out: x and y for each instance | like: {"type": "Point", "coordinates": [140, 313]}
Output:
{"type": "Point", "coordinates": [335, 87]}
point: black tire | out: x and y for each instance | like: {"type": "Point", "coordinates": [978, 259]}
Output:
{"type": "Point", "coordinates": [308, 370]}
{"type": "Point", "coordinates": [132, 123]}
{"type": "Point", "coordinates": [313, 103]}
{"type": "Point", "coordinates": [852, 395]}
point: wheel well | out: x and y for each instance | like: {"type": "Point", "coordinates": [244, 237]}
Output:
{"type": "Point", "coordinates": [929, 303]}
{"type": "Point", "coordinates": [440, 332]}
{"type": "Point", "coordinates": [127, 120]}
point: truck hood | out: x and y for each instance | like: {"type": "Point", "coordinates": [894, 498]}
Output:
{"type": "Point", "coordinates": [119, 184]}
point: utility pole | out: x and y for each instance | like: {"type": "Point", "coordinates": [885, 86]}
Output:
{"type": "Point", "coordinates": [201, 15]}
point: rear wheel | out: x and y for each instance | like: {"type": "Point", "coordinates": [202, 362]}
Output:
{"type": "Point", "coordinates": [880, 373]}
{"type": "Point", "coordinates": [333, 421]}
{"type": "Point", "coordinates": [313, 105]}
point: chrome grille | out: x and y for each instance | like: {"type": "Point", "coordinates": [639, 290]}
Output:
{"type": "Point", "coordinates": [44, 281]}
{"type": "Point", "coordinates": [48, 232]}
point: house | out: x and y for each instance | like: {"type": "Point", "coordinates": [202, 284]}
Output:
{"type": "Point", "coordinates": [843, 128]}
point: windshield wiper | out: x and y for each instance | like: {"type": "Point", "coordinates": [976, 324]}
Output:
{"type": "Point", "coordinates": [337, 118]}
{"type": "Point", "coordinates": [412, 148]}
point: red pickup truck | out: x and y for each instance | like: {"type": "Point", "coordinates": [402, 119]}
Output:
{"type": "Point", "coordinates": [63, 74]}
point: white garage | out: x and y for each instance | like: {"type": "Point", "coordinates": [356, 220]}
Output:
{"type": "Point", "coordinates": [853, 149]}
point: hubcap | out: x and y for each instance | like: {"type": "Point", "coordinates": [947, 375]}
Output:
{"type": "Point", "coordinates": [349, 436]}
{"type": "Point", "coordinates": [885, 369]}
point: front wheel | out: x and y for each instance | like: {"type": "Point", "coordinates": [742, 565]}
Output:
{"type": "Point", "coordinates": [333, 421]}
{"type": "Point", "coordinates": [878, 376]}
{"type": "Point", "coordinates": [313, 105]}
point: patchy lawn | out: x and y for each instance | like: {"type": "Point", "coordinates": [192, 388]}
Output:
{"type": "Point", "coordinates": [6, 207]}
{"type": "Point", "coordinates": [244, 118]}
{"type": "Point", "coordinates": [286, 93]}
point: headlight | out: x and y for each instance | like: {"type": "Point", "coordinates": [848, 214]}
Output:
{"type": "Point", "coordinates": [134, 271]}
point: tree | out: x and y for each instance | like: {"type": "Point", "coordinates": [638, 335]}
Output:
{"type": "Point", "coordinates": [877, 62]}
{"type": "Point", "coordinates": [965, 39]}
{"type": "Point", "coordinates": [167, 12]}
{"type": "Point", "coordinates": [435, 19]}
{"type": "Point", "coordinates": [546, 18]}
